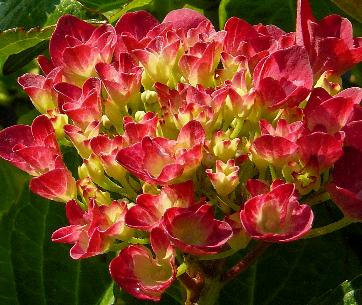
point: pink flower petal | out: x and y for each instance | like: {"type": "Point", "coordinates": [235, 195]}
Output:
{"type": "Point", "coordinates": [184, 19]}
{"type": "Point", "coordinates": [138, 24]}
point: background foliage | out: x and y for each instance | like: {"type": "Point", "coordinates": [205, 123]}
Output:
{"type": "Point", "coordinates": [34, 271]}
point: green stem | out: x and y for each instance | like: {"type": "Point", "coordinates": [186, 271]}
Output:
{"type": "Point", "coordinates": [262, 173]}
{"type": "Point", "coordinates": [82, 205]}
{"type": "Point", "coordinates": [210, 293]}
{"type": "Point", "coordinates": [317, 198]}
{"type": "Point", "coordinates": [138, 241]}
{"type": "Point", "coordinates": [181, 269]}
{"type": "Point", "coordinates": [116, 247]}
{"type": "Point", "coordinates": [237, 129]}
{"type": "Point", "coordinates": [128, 188]}
{"type": "Point", "coordinates": [272, 172]}
{"type": "Point", "coordinates": [246, 261]}
{"type": "Point", "coordinates": [193, 287]}
{"type": "Point", "coordinates": [229, 203]}
{"type": "Point", "coordinates": [344, 222]}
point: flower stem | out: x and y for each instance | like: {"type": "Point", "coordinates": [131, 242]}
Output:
{"type": "Point", "coordinates": [273, 172]}
{"type": "Point", "coordinates": [229, 203]}
{"type": "Point", "coordinates": [138, 241]}
{"type": "Point", "coordinates": [237, 129]}
{"type": "Point", "coordinates": [210, 292]}
{"type": "Point", "coordinates": [128, 188]}
{"type": "Point", "coordinates": [317, 198]}
{"type": "Point", "coordinates": [181, 269]}
{"type": "Point", "coordinates": [262, 173]}
{"type": "Point", "coordinates": [246, 262]}
{"type": "Point", "coordinates": [344, 222]}
{"type": "Point", "coordinates": [193, 286]}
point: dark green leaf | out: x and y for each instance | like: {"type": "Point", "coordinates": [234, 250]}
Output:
{"type": "Point", "coordinates": [108, 297]}
{"type": "Point", "coordinates": [278, 12]}
{"type": "Point", "coordinates": [17, 40]}
{"type": "Point", "coordinates": [19, 60]}
{"type": "Point", "coordinates": [71, 159]}
{"type": "Point", "coordinates": [71, 7]}
{"type": "Point", "coordinates": [35, 271]}
{"type": "Point", "coordinates": [28, 117]}
{"type": "Point", "coordinates": [351, 7]}
{"type": "Point", "coordinates": [159, 8]}
{"type": "Point", "coordinates": [356, 77]}
{"type": "Point", "coordinates": [347, 293]}
{"type": "Point", "coordinates": [104, 5]}
{"type": "Point", "coordinates": [24, 13]}
{"type": "Point", "coordinates": [12, 183]}
{"type": "Point", "coordinates": [133, 5]}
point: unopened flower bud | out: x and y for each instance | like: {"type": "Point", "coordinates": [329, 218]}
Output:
{"type": "Point", "coordinates": [226, 178]}
{"type": "Point", "coordinates": [89, 190]}
{"type": "Point", "coordinates": [58, 121]}
{"type": "Point", "coordinates": [224, 148]}
{"type": "Point", "coordinates": [92, 167]}
{"type": "Point", "coordinates": [150, 100]}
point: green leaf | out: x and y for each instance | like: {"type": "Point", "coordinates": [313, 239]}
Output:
{"type": "Point", "coordinates": [347, 293]}
{"type": "Point", "coordinates": [71, 159]}
{"type": "Point", "coordinates": [278, 12]}
{"type": "Point", "coordinates": [114, 9]}
{"type": "Point", "coordinates": [28, 117]}
{"type": "Point", "coordinates": [104, 5]}
{"type": "Point", "coordinates": [25, 46]}
{"type": "Point", "coordinates": [24, 13]}
{"type": "Point", "coordinates": [71, 7]}
{"type": "Point", "coordinates": [108, 297]}
{"type": "Point", "coordinates": [160, 8]}
{"type": "Point", "coordinates": [36, 271]}
{"type": "Point", "coordinates": [17, 61]}
{"type": "Point", "coordinates": [114, 15]}
{"type": "Point", "coordinates": [11, 186]}
{"type": "Point", "coordinates": [17, 40]}
{"type": "Point", "coordinates": [351, 7]}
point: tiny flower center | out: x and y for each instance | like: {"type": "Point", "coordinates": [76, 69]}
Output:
{"type": "Point", "coordinates": [270, 219]}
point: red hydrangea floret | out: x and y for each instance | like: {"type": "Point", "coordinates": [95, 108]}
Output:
{"type": "Point", "coordinates": [284, 78]}
{"type": "Point", "coordinates": [346, 185]}
{"type": "Point", "coordinates": [161, 161]}
{"type": "Point", "coordinates": [92, 231]}
{"type": "Point", "coordinates": [141, 274]}
{"type": "Point", "coordinates": [276, 216]}
{"type": "Point", "coordinates": [34, 149]}
{"type": "Point", "coordinates": [82, 106]}
{"type": "Point", "coordinates": [40, 89]}
{"type": "Point", "coordinates": [330, 114]}
{"type": "Point", "coordinates": [353, 128]}
{"type": "Point", "coordinates": [195, 230]}
{"type": "Point", "coordinates": [319, 151]}
{"type": "Point", "coordinates": [329, 42]}
{"type": "Point", "coordinates": [78, 46]}
{"type": "Point", "coordinates": [150, 208]}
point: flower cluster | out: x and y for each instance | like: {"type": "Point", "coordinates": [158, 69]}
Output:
{"type": "Point", "coordinates": [193, 140]}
